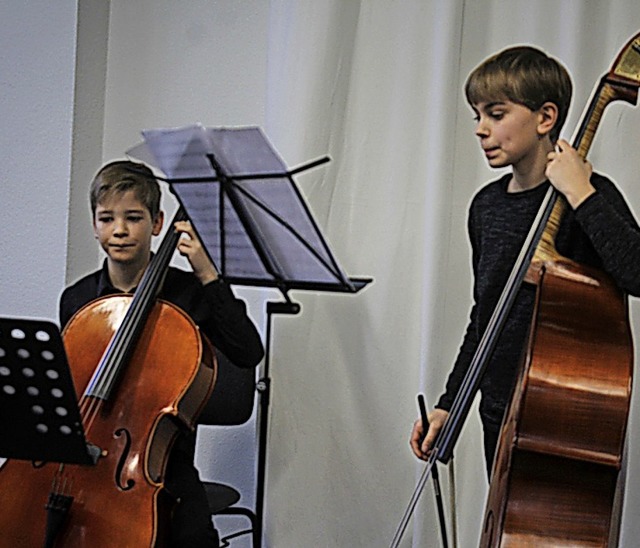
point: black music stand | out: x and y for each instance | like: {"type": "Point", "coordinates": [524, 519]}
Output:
{"type": "Point", "coordinates": [253, 222]}
{"type": "Point", "coordinates": [39, 415]}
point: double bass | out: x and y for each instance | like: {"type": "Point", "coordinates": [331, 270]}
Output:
{"type": "Point", "coordinates": [557, 477]}
{"type": "Point", "coordinates": [145, 371]}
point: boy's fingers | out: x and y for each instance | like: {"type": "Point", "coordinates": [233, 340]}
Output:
{"type": "Point", "coordinates": [183, 226]}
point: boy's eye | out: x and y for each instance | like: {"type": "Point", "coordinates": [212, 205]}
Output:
{"type": "Point", "coordinates": [134, 218]}
{"type": "Point", "coordinates": [496, 114]}
{"type": "Point", "coordinates": [105, 218]}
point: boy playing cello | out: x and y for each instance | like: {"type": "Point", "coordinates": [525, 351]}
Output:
{"type": "Point", "coordinates": [125, 203]}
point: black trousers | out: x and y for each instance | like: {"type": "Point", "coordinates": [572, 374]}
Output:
{"type": "Point", "coordinates": [191, 525]}
{"type": "Point", "coordinates": [491, 434]}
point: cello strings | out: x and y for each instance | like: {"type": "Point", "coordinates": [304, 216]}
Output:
{"type": "Point", "coordinates": [139, 308]}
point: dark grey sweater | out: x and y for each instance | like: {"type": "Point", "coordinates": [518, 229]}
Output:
{"type": "Point", "coordinates": [602, 232]}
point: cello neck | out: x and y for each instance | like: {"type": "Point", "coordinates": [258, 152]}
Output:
{"type": "Point", "coordinates": [126, 337]}
{"type": "Point", "coordinates": [151, 281]}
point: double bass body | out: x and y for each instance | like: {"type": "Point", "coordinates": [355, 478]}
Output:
{"type": "Point", "coordinates": [556, 477]}
{"type": "Point", "coordinates": [120, 501]}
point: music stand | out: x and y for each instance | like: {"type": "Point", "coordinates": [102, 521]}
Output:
{"type": "Point", "coordinates": [253, 222]}
{"type": "Point", "coordinates": [39, 415]}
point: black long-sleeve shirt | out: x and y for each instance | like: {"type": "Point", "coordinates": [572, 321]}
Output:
{"type": "Point", "coordinates": [601, 232]}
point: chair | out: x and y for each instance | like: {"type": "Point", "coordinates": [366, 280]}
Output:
{"type": "Point", "coordinates": [222, 499]}
{"type": "Point", "coordinates": [230, 404]}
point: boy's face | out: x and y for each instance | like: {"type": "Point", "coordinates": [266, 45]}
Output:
{"type": "Point", "coordinates": [124, 227]}
{"type": "Point", "coordinates": [508, 132]}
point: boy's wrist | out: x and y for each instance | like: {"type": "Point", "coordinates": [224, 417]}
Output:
{"type": "Point", "coordinates": [577, 197]}
{"type": "Point", "coordinates": [207, 277]}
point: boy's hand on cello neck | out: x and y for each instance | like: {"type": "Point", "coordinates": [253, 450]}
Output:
{"type": "Point", "coordinates": [189, 246]}
{"type": "Point", "coordinates": [569, 173]}
{"type": "Point", "coordinates": [422, 447]}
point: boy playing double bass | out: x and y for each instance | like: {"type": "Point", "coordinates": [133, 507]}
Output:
{"type": "Point", "coordinates": [520, 98]}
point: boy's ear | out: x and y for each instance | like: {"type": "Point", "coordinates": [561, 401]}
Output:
{"type": "Point", "coordinates": [548, 116]}
{"type": "Point", "coordinates": [157, 223]}
{"type": "Point", "coordinates": [93, 225]}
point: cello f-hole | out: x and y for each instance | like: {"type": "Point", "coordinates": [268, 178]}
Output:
{"type": "Point", "coordinates": [123, 458]}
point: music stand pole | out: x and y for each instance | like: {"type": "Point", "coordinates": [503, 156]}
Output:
{"type": "Point", "coordinates": [263, 387]}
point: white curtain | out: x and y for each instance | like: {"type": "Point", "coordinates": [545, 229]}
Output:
{"type": "Point", "coordinates": [377, 85]}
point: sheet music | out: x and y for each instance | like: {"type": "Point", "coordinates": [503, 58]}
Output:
{"type": "Point", "coordinates": [256, 228]}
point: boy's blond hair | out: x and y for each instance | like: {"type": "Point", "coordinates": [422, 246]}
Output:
{"type": "Point", "coordinates": [523, 75]}
{"type": "Point", "coordinates": [121, 176]}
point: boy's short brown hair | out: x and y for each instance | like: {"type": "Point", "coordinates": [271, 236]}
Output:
{"type": "Point", "coordinates": [121, 176]}
{"type": "Point", "coordinates": [523, 75]}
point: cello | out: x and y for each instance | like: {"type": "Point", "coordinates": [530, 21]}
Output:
{"type": "Point", "coordinates": [154, 375]}
{"type": "Point", "coordinates": [546, 441]}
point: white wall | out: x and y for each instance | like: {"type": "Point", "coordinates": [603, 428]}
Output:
{"type": "Point", "coordinates": [91, 74]}
{"type": "Point", "coordinates": [37, 74]}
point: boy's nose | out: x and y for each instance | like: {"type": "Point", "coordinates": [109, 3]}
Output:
{"type": "Point", "coordinates": [481, 129]}
{"type": "Point", "coordinates": [120, 227]}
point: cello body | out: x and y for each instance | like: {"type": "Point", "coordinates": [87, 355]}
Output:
{"type": "Point", "coordinates": [120, 501]}
{"type": "Point", "coordinates": [556, 477]}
